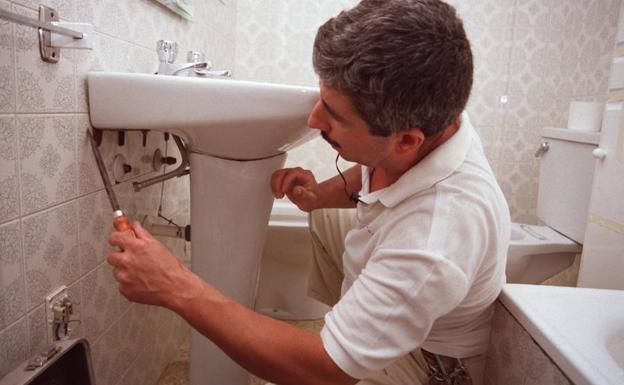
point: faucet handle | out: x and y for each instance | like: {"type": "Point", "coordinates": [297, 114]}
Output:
{"type": "Point", "coordinates": [167, 51]}
{"type": "Point", "coordinates": [195, 57]}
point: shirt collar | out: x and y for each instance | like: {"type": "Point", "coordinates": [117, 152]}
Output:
{"type": "Point", "coordinates": [436, 166]}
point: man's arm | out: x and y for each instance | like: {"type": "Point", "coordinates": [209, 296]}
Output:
{"type": "Point", "coordinates": [301, 188]}
{"type": "Point", "coordinates": [148, 273]}
{"type": "Point", "coordinates": [273, 350]}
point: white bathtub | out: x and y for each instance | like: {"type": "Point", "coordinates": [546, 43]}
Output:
{"type": "Point", "coordinates": [581, 329]}
{"type": "Point", "coordinates": [287, 254]}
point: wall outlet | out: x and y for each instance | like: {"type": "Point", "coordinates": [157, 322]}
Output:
{"type": "Point", "coordinates": [52, 302]}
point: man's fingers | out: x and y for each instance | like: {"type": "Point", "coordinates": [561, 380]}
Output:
{"type": "Point", "coordinates": [298, 177]}
{"type": "Point", "coordinates": [116, 238]}
{"type": "Point", "coordinates": [114, 259]}
{"type": "Point", "coordinates": [140, 231]}
{"type": "Point", "coordinates": [122, 239]}
{"type": "Point", "coordinates": [303, 193]}
{"type": "Point", "coordinates": [276, 182]}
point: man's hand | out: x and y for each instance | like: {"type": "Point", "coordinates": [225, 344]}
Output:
{"type": "Point", "coordinates": [299, 186]}
{"type": "Point", "coordinates": [147, 272]}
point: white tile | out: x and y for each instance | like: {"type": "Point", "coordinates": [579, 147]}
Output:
{"type": "Point", "coordinates": [89, 179]}
{"type": "Point", "coordinates": [7, 63]}
{"type": "Point", "coordinates": [9, 172]}
{"type": "Point", "coordinates": [100, 302]}
{"type": "Point", "coordinates": [41, 86]}
{"type": "Point", "coordinates": [106, 358]}
{"type": "Point", "coordinates": [12, 287]}
{"type": "Point", "coordinates": [38, 338]}
{"type": "Point", "coordinates": [47, 148]}
{"type": "Point", "coordinates": [95, 219]}
{"type": "Point", "coordinates": [50, 251]}
{"type": "Point", "coordinates": [13, 346]}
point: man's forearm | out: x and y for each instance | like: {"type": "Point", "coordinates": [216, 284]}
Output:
{"type": "Point", "coordinates": [334, 194]}
{"type": "Point", "coordinates": [273, 350]}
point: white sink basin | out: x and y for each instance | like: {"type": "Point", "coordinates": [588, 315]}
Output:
{"type": "Point", "coordinates": [237, 133]}
{"type": "Point", "coordinates": [229, 119]}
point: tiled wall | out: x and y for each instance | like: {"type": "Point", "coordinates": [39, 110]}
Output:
{"type": "Point", "coordinates": [539, 54]}
{"type": "Point", "coordinates": [54, 214]}
{"type": "Point", "coordinates": [514, 358]}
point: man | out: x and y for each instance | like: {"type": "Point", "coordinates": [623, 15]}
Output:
{"type": "Point", "coordinates": [425, 259]}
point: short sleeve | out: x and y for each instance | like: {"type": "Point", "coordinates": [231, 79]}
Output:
{"type": "Point", "coordinates": [390, 309]}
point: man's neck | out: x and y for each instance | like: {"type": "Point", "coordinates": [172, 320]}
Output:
{"type": "Point", "coordinates": [383, 176]}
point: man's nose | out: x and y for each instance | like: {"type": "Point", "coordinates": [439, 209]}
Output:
{"type": "Point", "coordinates": [317, 118]}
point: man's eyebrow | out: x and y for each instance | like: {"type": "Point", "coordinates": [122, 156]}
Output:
{"type": "Point", "coordinates": [331, 111]}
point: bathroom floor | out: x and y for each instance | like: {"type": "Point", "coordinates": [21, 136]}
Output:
{"type": "Point", "coordinates": [177, 372]}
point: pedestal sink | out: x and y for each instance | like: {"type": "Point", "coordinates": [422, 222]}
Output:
{"type": "Point", "coordinates": [237, 133]}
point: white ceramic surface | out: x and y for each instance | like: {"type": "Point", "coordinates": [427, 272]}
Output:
{"type": "Point", "coordinates": [537, 253]}
{"type": "Point", "coordinates": [286, 258]}
{"type": "Point", "coordinates": [581, 329]}
{"type": "Point", "coordinates": [226, 118]}
{"type": "Point", "coordinates": [565, 181]}
{"type": "Point", "coordinates": [585, 116]}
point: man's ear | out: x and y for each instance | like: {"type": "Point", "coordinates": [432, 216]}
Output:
{"type": "Point", "coordinates": [410, 140]}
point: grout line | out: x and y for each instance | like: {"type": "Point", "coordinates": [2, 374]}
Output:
{"type": "Point", "coordinates": [620, 140]}
{"type": "Point", "coordinates": [23, 318]}
{"type": "Point", "coordinates": [130, 366]}
{"type": "Point", "coordinates": [67, 201]}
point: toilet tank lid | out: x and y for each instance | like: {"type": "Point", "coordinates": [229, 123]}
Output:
{"type": "Point", "coordinates": [69, 359]}
{"type": "Point", "coordinates": [588, 137]}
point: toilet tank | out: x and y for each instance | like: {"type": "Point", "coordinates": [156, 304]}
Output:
{"type": "Point", "coordinates": [565, 180]}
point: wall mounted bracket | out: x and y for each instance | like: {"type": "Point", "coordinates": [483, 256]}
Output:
{"type": "Point", "coordinates": [54, 34]}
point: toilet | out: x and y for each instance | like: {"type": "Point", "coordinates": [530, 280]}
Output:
{"type": "Point", "coordinates": [535, 254]}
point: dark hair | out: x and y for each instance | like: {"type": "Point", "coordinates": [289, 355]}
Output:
{"type": "Point", "coordinates": [404, 63]}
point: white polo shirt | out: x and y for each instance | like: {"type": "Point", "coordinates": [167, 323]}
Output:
{"type": "Point", "coordinates": [424, 263]}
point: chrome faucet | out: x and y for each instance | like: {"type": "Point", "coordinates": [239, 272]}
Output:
{"type": "Point", "coordinates": [167, 53]}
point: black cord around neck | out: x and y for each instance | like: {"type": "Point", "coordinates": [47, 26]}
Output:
{"type": "Point", "coordinates": [354, 196]}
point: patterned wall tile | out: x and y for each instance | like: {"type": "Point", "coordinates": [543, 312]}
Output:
{"type": "Point", "coordinates": [7, 63]}
{"type": "Point", "coordinates": [50, 250]}
{"type": "Point", "coordinates": [12, 287]}
{"type": "Point", "coordinates": [47, 160]}
{"type": "Point", "coordinates": [106, 357]}
{"type": "Point", "coordinates": [491, 140]}
{"type": "Point", "coordinates": [95, 219]}
{"type": "Point", "coordinates": [100, 301]}
{"type": "Point", "coordinates": [519, 184]}
{"type": "Point", "coordinates": [38, 338]}
{"type": "Point", "coordinates": [89, 179]}
{"type": "Point", "coordinates": [9, 172]}
{"type": "Point", "coordinates": [13, 346]}
{"type": "Point", "coordinates": [129, 336]}
{"type": "Point", "coordinates": [66, 8]}
{"type": "Point", "coordinates": [41, 86]}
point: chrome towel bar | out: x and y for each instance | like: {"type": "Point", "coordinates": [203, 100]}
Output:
{"type": "Point", "coordinates": [54, 34]}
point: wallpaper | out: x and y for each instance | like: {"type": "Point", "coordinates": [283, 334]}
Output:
{"type": "Point", "coordinates": [532, 58]}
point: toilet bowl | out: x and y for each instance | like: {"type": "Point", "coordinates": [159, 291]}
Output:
{"type": "Point", "coordinates": [287, 255]}
{"type": "Point", "coordinates": [537, 253]}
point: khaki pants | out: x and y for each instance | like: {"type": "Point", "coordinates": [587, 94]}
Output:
{"type": "Point", "coordinates": [328, 228]}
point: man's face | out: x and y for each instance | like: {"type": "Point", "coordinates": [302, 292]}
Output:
{"type": "Point", "coordinates": [343, 128]}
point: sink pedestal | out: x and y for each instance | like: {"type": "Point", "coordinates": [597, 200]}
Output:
{"type": "Point", "coordinates": [230, 208]}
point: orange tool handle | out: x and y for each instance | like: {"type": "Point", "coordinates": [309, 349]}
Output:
{"type": "Point", "coordinates": [122, 223]}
